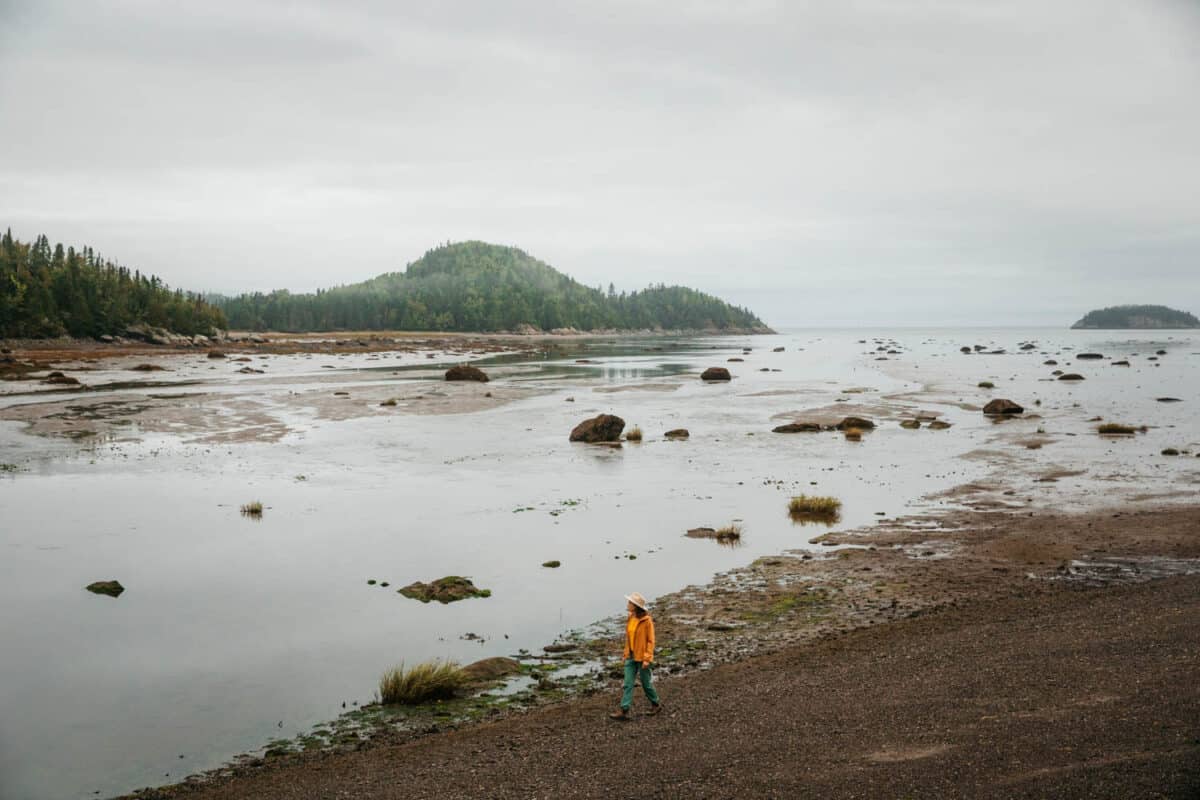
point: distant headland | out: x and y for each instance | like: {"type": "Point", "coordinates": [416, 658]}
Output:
{"type": "Point", "coordinates": [1138, 318]}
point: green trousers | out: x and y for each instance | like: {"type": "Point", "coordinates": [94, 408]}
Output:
{"type": "Point", "coordinates": [632, 670]}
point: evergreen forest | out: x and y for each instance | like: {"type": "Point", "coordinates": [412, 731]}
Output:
{"type": "Point", "coordinates": [475, 286]}
{"type": "Point", "coordinates": [53, 291]}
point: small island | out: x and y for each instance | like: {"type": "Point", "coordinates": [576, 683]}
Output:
{"type": "Point", "coordinates": [1137, 317]}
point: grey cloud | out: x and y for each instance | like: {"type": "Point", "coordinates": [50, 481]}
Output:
{"type": "Point", "coordinates": [907, 150]}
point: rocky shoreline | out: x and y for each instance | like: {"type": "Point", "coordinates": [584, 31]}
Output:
{"type": "Point", "coordinates": [868, 578]}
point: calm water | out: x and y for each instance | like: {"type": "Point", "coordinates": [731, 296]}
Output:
{"type": "Point", "coordinates": [233, 632]}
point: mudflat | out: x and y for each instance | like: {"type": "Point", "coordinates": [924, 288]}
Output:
{"type": "Point", "coordinates": [1044, 687]}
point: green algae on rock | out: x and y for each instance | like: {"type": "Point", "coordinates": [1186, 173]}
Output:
{"type": "Point", "coordinates": [444, 590]}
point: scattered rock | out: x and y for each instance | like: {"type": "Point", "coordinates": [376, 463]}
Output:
{"type": "Point", "coordinates": [465, 372]}
{"type": "Point", "coordinates": [1050, 363]}
{"type": "Point", "coordinates": [552, 564]}
{"type": "Point", "coordinates": [1121, 363]}
{"type": "Point", "coordinates": [799, 427]}
{"type": "Point", "coordinates": [58, 379]}
{"type": "Point", "coordinates": [561, 647]}
{"type": "Point", "coordinates": [855, 422]}
{"type": "Point", "coordinates": [1071, 376]}
{"type": "Point", "coordinates": [444, 590]}
{"type": "Point", "coordinates": [602, 428]}
{"type": "Point", "coordinates": [1001, 406]}
{"type": "Point", "coordinates": [939, 425]}
{"type": "Point", "coordinates": [910, 424]}
{"type": "Point", "coordinates": [715, 374]}
{"type": "Point", "coordinates": [110, 588]}
{"type": "Point", "coordinates": [1088, 356]}
{"type": "Point", "coordinates": [1168, 399]}
{"type": "Point", "coordinates": [735, 359]}
{"type": "Point", "coordinates": [986, 385]}
{"type": "Point", "coordinates": [778, 349]}
{"type": "Point", "coordinates": [1170, 451]}
{"type": "Point", "coordinates": [215, 354]}
{"type": "Point", "coordinates": [677, 433]}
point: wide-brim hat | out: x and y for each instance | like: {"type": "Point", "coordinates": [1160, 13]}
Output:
{"type": "Point", "coordinates": [637, 599]}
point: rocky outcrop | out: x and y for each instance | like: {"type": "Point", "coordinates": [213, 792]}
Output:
{"type": "Point", "coordinates": [444, 590]}
{"type": "Point", "coordinates": [715, 374]}
{"type": "Point", "coordinates": [1002, 407]}
{"type": "Point", "coordinates": [110, 588]}
{"type": "Point", "coordinates": [602, 428]}
{"type": "Point", "coordinates": [465, 372]}
{"type": "Point", "coordinates": [799, 427]}
{"type": "Point", "coordinates": [491, 669]}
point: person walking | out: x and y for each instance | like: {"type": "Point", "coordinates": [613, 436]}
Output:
{"type": "Point", "coordinates": [638, 653]}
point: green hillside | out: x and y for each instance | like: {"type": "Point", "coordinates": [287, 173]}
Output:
{"type": "Point", "coordinates": [1137, 317]}
{"type": "Point", "coordinates": [475, 286]}
{"type": "Point", "coordinates": [51, 291]}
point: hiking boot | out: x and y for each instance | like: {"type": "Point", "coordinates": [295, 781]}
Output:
{"type": "Point", "coordinates": [620, 713]}
{"type": "Point", "coordinates": [654, 708]}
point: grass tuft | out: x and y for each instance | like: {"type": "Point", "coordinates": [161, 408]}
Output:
{"type": "Point", "coordinates": [430, 680]}
{"type": "Point", "coordinates": [254, 509]}
{"type": "Point", "coordinates": [804, 505]}
{"type": "Point", "coordinates": [634, 434]}
{"type": "Point", "coordinates": [730, 533]}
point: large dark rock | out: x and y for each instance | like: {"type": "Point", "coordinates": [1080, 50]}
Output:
{"type": "Point", "coordinates": [465, 372]}
{"type": "Point", "coordinates": [110, 588]}
{"type": "Point", "coordinates": [715, 374]}
{"type": "Point", "coordinates": [855, 422]}
{"type": "Point", "coordinates": [491, 669]}
{"type": "Point", "coordinates": [1000, 406]}
{"type": "Point", "coordinates": [798, 427]}
{"type": "Point", "coordinates": [444, 590]}
{"type": "Point", "coordinates": [604, 428]}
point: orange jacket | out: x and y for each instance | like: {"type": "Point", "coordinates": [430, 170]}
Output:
{"type": "Point", "coordinates": [641, 647]}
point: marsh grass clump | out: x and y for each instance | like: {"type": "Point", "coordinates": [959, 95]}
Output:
{"type": "Point", "coordinates": [730, 533]}
{"type": "Point", "coordinates": [1113, 428]}
{"type": "Point", "coordinates": [634, 434]}
{"type": "Point", "coordinates": [254, 509]}
{"type": "Point", "coordinates": [805, 506]}
{"type": "Point", "coordinates": [430, 680]}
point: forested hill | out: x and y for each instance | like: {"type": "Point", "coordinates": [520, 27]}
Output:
{"type": "Point", "coordinates": [48, 291]}
{"type": "Point", "coordinates": [475, 286]}
{"type": "Point", "coordinates": [1137, 317]}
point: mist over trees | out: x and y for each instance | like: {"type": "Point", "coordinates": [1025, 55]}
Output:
{"type": "Point", "coordinates": [51, 291]}
{"type": "Point", "coordinates": [475, 286]}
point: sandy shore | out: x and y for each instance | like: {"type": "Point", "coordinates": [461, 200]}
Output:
{"type": "Point", "coordinates": [993, 654]}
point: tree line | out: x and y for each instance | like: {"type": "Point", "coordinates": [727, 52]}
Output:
{"type": "Point", "coordinates": [51, 291]}
{"type": "Point", "coordinates": [475, 286]}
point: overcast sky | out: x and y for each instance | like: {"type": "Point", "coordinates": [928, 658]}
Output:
{"type": "Point", "coordinates": [850, 161]}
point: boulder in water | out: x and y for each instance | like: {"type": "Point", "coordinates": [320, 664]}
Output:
{"type": "Point", "coordinates": [602, 428]}
{"type": "Point", "coordinates": [1001, 406]}
{"type": "Point", "coordinates": [715, 374]}
{"type": "Point", "coordinates": [465, 372]}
